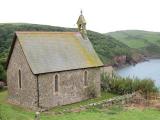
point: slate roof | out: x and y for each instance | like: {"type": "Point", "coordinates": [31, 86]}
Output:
{"type": "Point", "coordinates": [56, 51]}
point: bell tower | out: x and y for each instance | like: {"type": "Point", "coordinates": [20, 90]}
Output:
{"type": "Point", "coordinates": [81, 23]}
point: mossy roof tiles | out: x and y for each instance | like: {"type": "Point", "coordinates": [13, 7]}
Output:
{"type": "Point", "coordinates": [57, 51]}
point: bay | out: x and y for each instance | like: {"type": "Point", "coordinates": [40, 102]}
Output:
{"type": "Point", "coordinates": [147, 69]}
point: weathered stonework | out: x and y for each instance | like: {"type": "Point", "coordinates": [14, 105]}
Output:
{"type": "Point", "coordinates": [107, 70]}
{"type": "Point", "coordinates": [27, 94]}
{"type": "Point", "coordinates": [39, 90]}
{"type": "Point", "coordinates": [71, 87]}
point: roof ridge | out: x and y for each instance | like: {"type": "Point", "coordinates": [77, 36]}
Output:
{"type": "Point", "coordinates": [43, 32]}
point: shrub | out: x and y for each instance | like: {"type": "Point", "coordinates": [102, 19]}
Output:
{"type": "Point", "coordinates": [2, 73]}
{"type": "Point", "coordinates": [120, 85]}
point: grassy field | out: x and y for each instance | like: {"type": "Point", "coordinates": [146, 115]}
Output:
{"type": "Point", "coordinates": [12, 112]}
{"type": "Point", "coordinates": [137, 38]}
{"type": "Point", "coordinates": [144, 42]}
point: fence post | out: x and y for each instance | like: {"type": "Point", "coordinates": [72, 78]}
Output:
{"type": "Point", "coordinates": [37, 116]}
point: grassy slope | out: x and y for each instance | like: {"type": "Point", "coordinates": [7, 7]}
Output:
{"type": "Point", "coordinates": [11, 112]}
{"type": "Point", "coordinates": [141, 40]}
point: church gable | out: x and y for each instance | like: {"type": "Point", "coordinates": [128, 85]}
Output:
{"type": "Point", "coordinates": [20, 79]}
{"type": "Point", "coordinates": [17, 56]}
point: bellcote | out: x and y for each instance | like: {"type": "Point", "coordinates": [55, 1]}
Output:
{"type": "Point", "coordinates": [81, 23]}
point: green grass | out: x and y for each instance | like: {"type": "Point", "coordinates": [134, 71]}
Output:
{"type": "Point", "coordinates": [148, 42]}
{"type": "Point", "coordinates": [134, 43]}
{"type": "Point", "coordinates": [12, 112]}
{"type": "Point", "coordinates": [130, 37]}
{"type": "Point", "coordinates": [93, 114]}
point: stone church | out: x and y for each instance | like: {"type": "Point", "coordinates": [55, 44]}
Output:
{"type": "Point", "coordinates": [47, 69]}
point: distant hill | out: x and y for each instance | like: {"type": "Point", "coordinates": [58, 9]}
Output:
{"type": "Point", "coordinates": [145, 41]}
{"type": "Point", "coordinates": [106, 46]}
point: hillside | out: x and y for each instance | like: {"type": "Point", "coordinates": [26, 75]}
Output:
{"type": "Point", "coordinates": [145, 41]}
{"type": "Point", "coordinates": [106, 46]}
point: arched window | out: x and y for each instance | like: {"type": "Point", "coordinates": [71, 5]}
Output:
{"type": "Point", "coordinates": [85, 78]}
{"type": "Point", "coordinates": [20, 79]}
{"type": "Point", "coordinates": [56, 83]}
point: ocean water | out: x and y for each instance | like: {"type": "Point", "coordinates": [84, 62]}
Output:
{"type": "Point", "coordinates": [147, 69]}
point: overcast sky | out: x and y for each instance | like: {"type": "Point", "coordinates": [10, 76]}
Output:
{"type": "Point", "coordinates": [101, 15]}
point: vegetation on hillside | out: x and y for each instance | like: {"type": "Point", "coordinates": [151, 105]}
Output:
{"type": "Point", "coordinates": [147, 42]}
{"type": "Point", "coordinates": [119, 85]}
{"type": "Point", "coordinates": [106, 46]}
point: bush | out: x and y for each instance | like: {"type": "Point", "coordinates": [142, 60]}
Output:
{"type": "Point", "coordinates": [2, 73]}
{"type": "Point", "coordinates": [120, 85]}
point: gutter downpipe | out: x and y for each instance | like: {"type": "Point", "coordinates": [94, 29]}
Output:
{"type": "Point", "coordinates": [37, 91]}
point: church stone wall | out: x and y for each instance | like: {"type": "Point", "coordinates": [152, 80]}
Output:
{"type": "Point", "coordinates": [71, 87]}
{"type": "Point", "coordinates": [27, 94]}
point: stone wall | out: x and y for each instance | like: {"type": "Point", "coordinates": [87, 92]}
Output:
{"type": "Point", "coordinates": [26, 95]}
{"type": "Point", "coordinates": [117, 100]}
{"type": "Point", "coordinates": [107, 69]}
{"type": "Point", "coordinates": [71, 87]}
